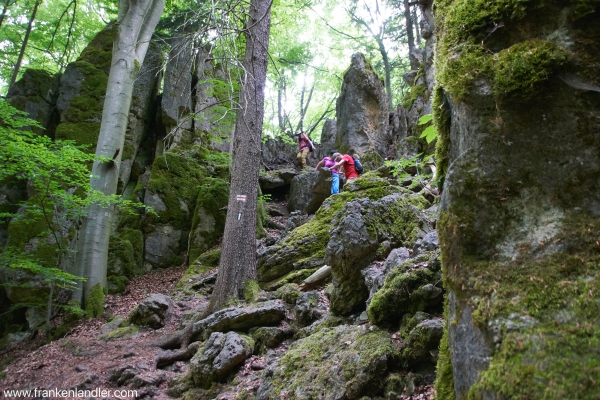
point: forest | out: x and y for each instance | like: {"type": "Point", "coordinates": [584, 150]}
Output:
{"type": "Point", "coordinates": [160, 237]}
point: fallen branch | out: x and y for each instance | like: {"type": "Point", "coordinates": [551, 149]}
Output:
{"type": "Point", "coordinates": [319, 275]}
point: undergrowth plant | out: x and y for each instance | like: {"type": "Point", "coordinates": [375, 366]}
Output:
{"type": "Point", "coordinates": [57, 176]}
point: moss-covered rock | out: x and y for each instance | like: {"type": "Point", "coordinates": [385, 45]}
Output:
{"type": "Point", "coordinates": [204, 263]}
{"type": "Point", "coordinates": [334, 363]}
{"type": "Point", "coordinates": [208, 222]}
{"type": "Point", "coordinates": [220, 354]}
{"type": "Point", "coordinates": [408, 288]}
{"type": "Point", "coordinates": [120, 333]}
{"type": "Point", "coordinates": [354, 239]}
{"type": "Point", "coordinates": [304, 247]}
{"type": "Point", "coordinates": [517, 229]}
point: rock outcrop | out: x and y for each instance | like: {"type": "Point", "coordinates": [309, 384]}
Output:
{"type": "Point", "coordinates": [362, 111]}
{"type": "Point", "coordinates": [519, 219]}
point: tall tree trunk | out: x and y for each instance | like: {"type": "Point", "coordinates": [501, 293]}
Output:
{"type": "Point", "coordinates": [280, 97]}
{"type": "Point", "coordinates": [136, 22]}
{"type": "Point", "coordinates": [13, 79]}
{"type": "Point", "coordinates": [387, 67]}
{"type": "Point", "coordinates": [414, 62]}
{"type": "Point", "coordinates": [238, 254]}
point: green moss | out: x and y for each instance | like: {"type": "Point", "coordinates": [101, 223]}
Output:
{"type": "Point", "coordinates": [31, 231]}
{"type": "Point", "coordinates": [519, 68]}
{"type": "Point", "coordinates": [557, 291]}
{"type": "Point", "coordinates": [121, 256]}
{"type": "Point", "coordinates": [204, 263]}
{"type": "Point", "coordinates": [212, 197]}
{"type": "Point", "coordinates": [251, 290]}
{"type": "Point", "coordinates": [444, 376]}
{"type": "Point", "coordinates": [136, 238]}
{"type": "Point", "coordinates": [82, 132]}
{"type": "Point", "coordinates": [401, 292]}
{"type": "Point", "coordinates": [441, 121]}
{"type": "Point", "coordinates": [306, 244]}
{"type": "Point", "coordinates": [288, 293]}
{"type": "Point", "coordinates": [117, 284]}
{"type": "Point", "coordinates": [94, 302]}
{"type": "Point", "coordinates": [462, 56]}
{"type": "Point", "coordinates": [414, 93]}
{"type": "Point", "coordinates": [124, 332]}
{"type": "Point", "coordinates": [358, 357]}
{"type": "Point", "coordinates": [99, 51]}
{"type": "Point", "coordinates": [178, 180]}
{"type": "Point", "coordinates": [371, 160]}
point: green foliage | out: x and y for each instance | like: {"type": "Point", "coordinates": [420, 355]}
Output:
{"type": "Point", "coordinates": [57, 173]}
{"type": "Point", "coordinates": [407, 168]}
{"type": "Point", "coordinates": [62, 29]}
{"type": "Point", "coordinates": [430, 133]}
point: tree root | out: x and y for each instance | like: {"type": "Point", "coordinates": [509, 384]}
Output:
{"type": "Point", "coordinates": [167, 358]}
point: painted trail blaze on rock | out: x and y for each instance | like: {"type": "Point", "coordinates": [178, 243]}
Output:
{"type": "Point", "coordinates": [519, 216]}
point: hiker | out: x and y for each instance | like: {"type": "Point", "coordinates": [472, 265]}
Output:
{"type": "Point", "coordinates": [305, 146]}
{"type": "Point", "coordinates": [347, 163]}
{"type": "Point", "coordinates": [329, 162]}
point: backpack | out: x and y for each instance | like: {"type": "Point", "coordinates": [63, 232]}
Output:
{"type": "Point", "coordinates": [358, 166]}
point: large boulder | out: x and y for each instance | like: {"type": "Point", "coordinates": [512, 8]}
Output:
{"type": "Point", "coordinates": [308, 190]}
{"type": "Point", "coordinates": [520, 209]}
{"type": "Point", "coordinates": [301, 252]}
{"type": "Point", "coordinates": [153, 311]}
{"type": "Point", "coordinates": [208, 222]}
{"type": "Point", "coordinates": [328, 135]}
{"type": "Point", "coordinates": [141, 115]}
{"type": "Point", "coordinates": [36, 93]}
{"type": "Point", "coordinates": [177, 96]}
{"type": "Point", "coordinates": [213, 119]}
{"type": "Point", "coordinates": [414, 285]}
{"type": "Point", "coordinates": [355, 236]}
{"type": "Point", "coordinates": [346, 362]}
{"type": "Point", "coordinates": [240, 319]}
{"type": "Point", "coordinates": [221, 353]}
{"type": "Point", "coordinates": [82, 90]}
{"type": "Point", "coordinates": [362, 110]}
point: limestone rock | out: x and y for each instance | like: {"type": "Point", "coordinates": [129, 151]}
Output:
{"type": "Point", "coordinates": [354, 238]}
{"type": "Point", "coordinates": [240, 319]}
{"type": "Point", "coordinates": [267, 337]}
{"type": "Point", "coordinates": [307, 308]}
{"type": "Point", "coordinates": [422, 343]}
{"type": "Point", "coordinates": [213, 124]}
{"type": "Point", "coordinates": [328, 137]}
{"type": "Point", "coordinates": [362, 110]}
{"type": "Point", "coordinates": [346, 362]}
{"type": "Point", "coordinates": [177, 94]}
{"type": "Point", "coordinates": [36, 93]}
{"type": "Point", "coordinates": [308, 191]}
{"type": "Point", "coordinates": [141, 115]}
{"type": "Point", "coordinates": [374, 276]}
{"type": "Point", "coordinates": [409, 287]}
{"type": "Point", "coordinates": [305, 246]}
{"type": "Point", "coordinates": [221, 353]}
{"type": "Point", "coordinates": [152, 311]}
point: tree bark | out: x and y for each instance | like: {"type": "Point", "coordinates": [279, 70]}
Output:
{"type": "Point", "coordinates": [136, 22]}
{"type": "Point", "coordinates": [13, 79]}
{"type": "Point", "coordinates": [238, 253]}
{"type": "Point", "coordinates": [414, 63]}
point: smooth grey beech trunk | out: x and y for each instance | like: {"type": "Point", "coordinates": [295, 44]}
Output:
{"type": "Point", "coordinates": [136, 22]}
{"type": "Point", "coordinates": [238, 253]}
